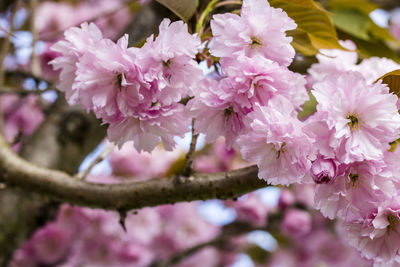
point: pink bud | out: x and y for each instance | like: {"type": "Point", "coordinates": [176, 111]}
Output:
{"type": "Point", "coordinates": [296, 223]}
{"type": "Point", "coordinates": [286, 198]}
{"type": "Point", "coordinates": [323, 170]}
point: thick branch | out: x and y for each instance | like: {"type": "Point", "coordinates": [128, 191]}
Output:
{"type": "Point", "coordinates": [18, 172]}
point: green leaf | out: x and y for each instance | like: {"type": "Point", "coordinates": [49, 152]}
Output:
{"type": "Point", "coordinates": [361, 5]}
{"type": "Point", "coordinates": [257, 253]}
{"type": "Point", "coordinates": [178, 166]}
{"type": "Point", "coordinates": [184, 9]}
{"type": "Point", "coordinates": [353, 22]}
{"type": "Point", "coordinates": [309, 107]}
{"type": "Point", "coordinates": [392, 79]}
{"type": "Point", "coordinates": [368, 49]}
{"type": "Point", "coordinates": [313, 20]}
{"type": "Point", "coordinates": [384, 34]}
{"type": "Point", "coordinates": [302, 43]}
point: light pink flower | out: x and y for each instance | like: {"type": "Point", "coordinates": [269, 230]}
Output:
{"type": "Point", "coordinates": [129, 163]}
{"type": "Point", "coordinates": [77, 42]}
{"type": "Point", "coordinates": [362, 186]}
{"type": "Point", "coordinates": [182, 227]}
{"type": "Point", "coordinates": [359, 119]}
{"type": "Point", "coordinates": [277, 144]}
{"type": "Point", "coordinates": [104, 73]}
{"type": "Point", "coordinates": [167, 62]}
{"type": "Point", "coordinates": [217, 111]}
{"type": "Point", "coordinates": [259, 79]}
{"type": "Point", "coordinates": [51, 24]}
{"type": "Point", "coordinates": [260, 29]}
{"type": "Point", "coordinates": [377, 235]}
{"type": "Point", "coordinates": [50, 244]}
{"type": "Point", "coordinates": [249, 209]}
{"type": "Point", "coordinates": [146, 129]}
{"type": "Point", "coordinates": [395, 24]}
{"type": "Point", "coordinates": [375, 67]}
{"type": "Point", "coordinates": [335, 60]}
{"type": "Point", "coordinates": [323, 170]}
{"type": "Point", "coordinates": [21, 115]}
{"type": "Point", "coordinates": [296, 223]}
{"type": "Point", "coordinates": [332, 61]}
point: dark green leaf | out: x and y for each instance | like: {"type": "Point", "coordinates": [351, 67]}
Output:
{"type": "Point", "coordinates": [184, 9]}
{"type": "Point", "coordinates": [353, 22]}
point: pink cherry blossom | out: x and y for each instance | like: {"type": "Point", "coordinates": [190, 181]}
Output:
{"type": "Point", "coordinates": [103, 73]}
{"type": "Point", "coordinates": [249, 209]}
{"type": "Point", "coordinates": [260, 29]}
{"type": "Point", "coordinates": [217, 111]}
{"type": "Point", "coordinates": [362, 186]}
{"type": "Point", "coordinates": [335, 60]}
{"type": "Point", "coordinates": [167, 62]}
{"type": "Point", "coordinates": [296, 222]}
{"type": "Point", "coordinates": [377, 235]}
{"type": "Point", "coordinates": [323, 170]}
{"type": "Point", "coordinates": [332, 61]}
{"type": "Point", "coordinates": [259, 79]}
{"type": "Point", "coordinates": [77, 42]}
{"type": "Point", "coordinates": [149, 127]}
{"type": "Point", "coordinates": [277, 144]}
{"type": "Point", "coordinates": [129, 163]}
{"type": "Point", "coordinates": [359, 119]}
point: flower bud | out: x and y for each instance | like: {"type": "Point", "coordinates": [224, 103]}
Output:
{"type": "Point", "coordinates": [323, 171]}
{"type": "Point", "coordinates": [296, 222]}
{"type": "Point", "coordinates": [286, 198]}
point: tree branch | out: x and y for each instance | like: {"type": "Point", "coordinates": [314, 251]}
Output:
{"type": "Point", "coordinates": [228, 232]}
{"type": "Point", "coordinates": [15, 171]}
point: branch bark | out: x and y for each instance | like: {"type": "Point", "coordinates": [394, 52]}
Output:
{"type": "Point", "coordinates": [62, 141]}
{"type": "Point", "coordinates": [15, 171]}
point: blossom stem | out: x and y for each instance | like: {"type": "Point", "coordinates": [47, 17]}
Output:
{"type": "Point", "coordinates": [34, 63]}
{"type": "Point", "coordinates": [203, 16]}
{"type": "Point", "coordinates": [229, 231]}
{"type": "Point", "coordinates": [190, 155]}
{"type": "Point", "coordinates": [82, 175]}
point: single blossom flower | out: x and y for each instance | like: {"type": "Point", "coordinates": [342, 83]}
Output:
{"type": "Point", "coordinates": [296, 222]}
{"type": "Point", "coordinates": [355, 120]}
{"type": "Point", "coordinates": [260, 29]}
{"type": "Point", "coordinates": [276, 142]}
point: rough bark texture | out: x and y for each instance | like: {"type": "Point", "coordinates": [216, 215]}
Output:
{"type": "Point", "coordinates": [61, 142]}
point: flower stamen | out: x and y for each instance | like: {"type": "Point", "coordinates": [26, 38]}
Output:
{"type": "Point", "coordinates": [354, 122]}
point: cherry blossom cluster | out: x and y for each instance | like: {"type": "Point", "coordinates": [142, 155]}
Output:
{"type": "Point", "coordinates": [356, 171]}
{"type": "Point", "coordinates": [136, 91]}
{"type": "Point", "coordinates": [151, 94]}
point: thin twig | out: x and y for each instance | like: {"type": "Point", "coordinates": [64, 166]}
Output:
{"type": "Point", "coordinates": [82, 175]}
{"type": "Point", "coordinates": [34, 63]}
{"type": "Point", "coordinates": [27, 74]}
{"type": "Point", "coordinates": [190, 155]}
{"type": "Point", "coordinates": [4, 51]}
{"type": "Point", "coordinates": [229, 231]}
{"type": "Point", "coordinates": [7, 41]}
{"type": "Point", "coordinates": [23, 92]}
{"type": "Point", "coordinates": [228, 2]}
